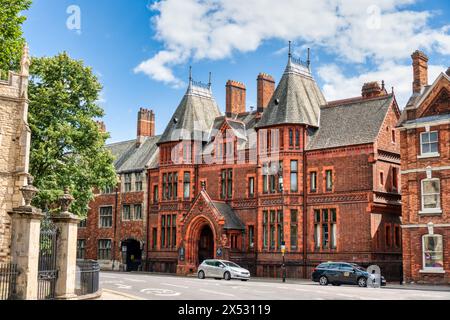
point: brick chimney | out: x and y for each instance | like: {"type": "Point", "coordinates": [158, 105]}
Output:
{"type": "Point", "coordinates": [235, 97]}
{"type": "Point", "coordinates": [265, 87]}
{"type": "Point", "coordinates": [372, 89]}
{"type": "Point", "coordinates": [101, 126]}
{"type": "Point", "coordinates": [420, 69]}
{"type": "Point", "coordinates": [145, 124]}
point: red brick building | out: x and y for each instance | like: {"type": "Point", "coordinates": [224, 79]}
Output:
{"type": "Point", "coordinates": [322, 177]}
{"type": "Point", "coordinates": [425, 154]}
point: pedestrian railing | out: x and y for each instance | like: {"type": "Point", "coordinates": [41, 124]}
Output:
{"type": "Point", "coordinates": [87, 277]}
{"type": "Point", "coordinates": [8, 280]}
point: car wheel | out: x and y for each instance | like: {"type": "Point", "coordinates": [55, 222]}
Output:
{"type": "Point", "coordinates": [323, 281]}
{"type": "Point", "coordinates": [244, 279]}
{"type": "Point", "coordinates": [362, 282]}
{"type": "Point", "coordinates": [227, 276]}
{"type": "Point", "coordinates": [201, 275]}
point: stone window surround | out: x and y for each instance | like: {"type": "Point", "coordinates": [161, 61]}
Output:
{"type": "Point", "coordinates": [110, 248]}
{"type": "Point", "coordinates": [424, 269]}
{"type": "Point", "coordinates": [99, 217]}
{"type": "Point", "coordinates": [433, 211]}
{"type": "Point", "coordinates": [132, 211]}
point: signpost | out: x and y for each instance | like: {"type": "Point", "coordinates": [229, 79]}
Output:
{"type": "Point", "coordinates": [283, 267]}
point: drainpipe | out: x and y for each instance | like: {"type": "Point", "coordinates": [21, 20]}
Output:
{"type": "Point", "coordinates": [147, 239]}
{"type": "Point", "coordinates": [115, 226]}
{"type": "Point", "coordinates": [305, 209]}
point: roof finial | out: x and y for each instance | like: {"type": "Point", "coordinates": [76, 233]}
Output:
{"type": "Point", "coordinates": [392, 90]}
{"type": "Point", "coordinates": [190, 73]}
{"type": "Point", "coordinates": [289, 54]}
{"type": "Point", "coordinates": [382, 84]}
{"type": "Point", "coordinates": [308, 61]}
{"type": "Point", "coordinates": [209, 81]}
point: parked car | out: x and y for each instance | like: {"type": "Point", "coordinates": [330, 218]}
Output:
{"type": "Point", "coordinates": [222, 269]}
{"type": "Point", "coordinates": [338, 273]}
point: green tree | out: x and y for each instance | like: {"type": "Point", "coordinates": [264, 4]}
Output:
{"type": "Point", "coordinates": [11, 39]}
{"type": "Point", "coordinates": [67, 147]}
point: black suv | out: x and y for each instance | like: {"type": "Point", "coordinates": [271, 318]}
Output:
{"type": "Point", "coordinates": [338, 273]}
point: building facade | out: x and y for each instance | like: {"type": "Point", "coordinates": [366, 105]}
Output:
{"type": "Point", "coordinates": [14, 146]}
{"type": "Point", "coordinates": [425, 156]}
{"type": "Point", "coordinates": [319, 178]}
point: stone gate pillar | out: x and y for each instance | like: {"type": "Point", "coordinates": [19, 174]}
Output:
{"type": "Point", "coordinates": [25, 227]}
{"type": "Point", "coordinates": [66, 252]}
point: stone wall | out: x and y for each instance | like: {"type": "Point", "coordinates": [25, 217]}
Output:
{"type": "Point", "coordinates": [14, 147]}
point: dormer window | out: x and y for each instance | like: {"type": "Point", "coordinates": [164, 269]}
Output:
{"type": "Point", "coordinates": [429, 144]}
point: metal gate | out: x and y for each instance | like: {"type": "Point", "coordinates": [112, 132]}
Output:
{"type": "Point", "coordinates": [47, 272]}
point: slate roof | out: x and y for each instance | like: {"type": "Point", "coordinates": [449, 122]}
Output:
{"type": "Point", "coordinates": [232, 221]}
{"type": "Point", "coordinates": [194, 115]}
{"type": "Point", "coordinates": [299, 98]}
{"type": "Point", "coordinates": [129, 158]}
{"type": "Point", "coordinates": [351, 122]}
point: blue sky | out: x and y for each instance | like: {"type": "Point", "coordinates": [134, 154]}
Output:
{"type": "Point", "coordinates": [141, 50]}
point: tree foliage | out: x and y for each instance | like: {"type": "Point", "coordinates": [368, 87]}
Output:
{"type": "Point", "coordinates": [11, 39]}
{"type": "Point", "coordinates": [67, 147]}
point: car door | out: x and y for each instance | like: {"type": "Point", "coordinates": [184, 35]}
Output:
{"type": "Point", "coordinates": [347, 274]}
{"type": "Point", "coordinates": [219, 269]}
{"type": "Point", "coordinates": [207, 267]}
{"type": "Point", "coordinates": [332, 272]}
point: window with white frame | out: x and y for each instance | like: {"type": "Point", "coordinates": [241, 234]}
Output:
{"type": "Point", "coordinates": [105, 217]}
{"type": "Point", "coordinates": [431, 195]}
{"type": "Point", "coordinates": [104, 249]}
{"type": "Point", "coordinates": [138, 181]}
{"type": "Point", "coordinates": [429, 143]}
{"type": "Point", "coordinates": [432, 252]}
{"type": "Point", "coordinates": [127, 184]}
{"type": "Point", "coordinates": [126, 212]}
{"type": "Point", "coordinates": [137, 212]}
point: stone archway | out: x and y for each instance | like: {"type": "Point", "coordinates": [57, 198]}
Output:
{"type": "Point", "coordinates": [200, 241]}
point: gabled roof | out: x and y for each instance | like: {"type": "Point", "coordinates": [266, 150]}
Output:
{"type": "Point", "coordinates": [350, 122]}
{"type": "Point", "coordinates": [417, 98]}
{"type": "Point", "coordinates": [129, 157]}
{"type": "Point", "coordinates": [194, 116]}
{"type": "Point", "coordinates": [232, 221]}
{"type": "Point", "coordinates": [298, 96]}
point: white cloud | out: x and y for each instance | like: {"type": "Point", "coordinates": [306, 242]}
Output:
{"type": "Point", "coordinates": [338, 86]}
{"type": "Point", "coordinates": [354, 31]}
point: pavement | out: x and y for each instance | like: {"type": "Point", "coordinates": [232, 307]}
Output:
{"type": "Point", "coordinates": [147, 286]}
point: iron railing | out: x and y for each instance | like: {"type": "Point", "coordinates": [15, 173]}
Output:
{"type": "Point", "coordinates": [87, 277]}
{"type": "Point", "coordinates": [8, 279]}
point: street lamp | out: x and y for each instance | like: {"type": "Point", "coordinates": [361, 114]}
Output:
{"type": "Point", "coordinates": [283, 244]}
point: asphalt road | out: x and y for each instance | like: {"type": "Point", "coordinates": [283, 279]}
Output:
{"type": "Point", "coordinates": [166, 287]}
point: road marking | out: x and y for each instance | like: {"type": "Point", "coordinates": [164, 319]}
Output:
{"type": "Point", "coordinates": [122, 286]}
{"type": "Point", "coordinates": [134, 280]}
{"type": "Point", "coordinates": [216, 292]}
{"type": "Point", "coordinates": [175, 285]}
{"type": "Point", "coordinates": [160, 292]}
{"type": "Point", "coordinates": [345, 295]}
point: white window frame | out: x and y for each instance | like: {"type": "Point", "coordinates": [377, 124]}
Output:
{"type": "Point", "coordinates": [431, 269]}
{"type": "Point", "coordinates": [130, 212]}
{"type": "Point", "coordinates": [134, 212]}
{"type": "Point", "coordinates": [423, 210]}
{"type": "Point", "coordinates": [100, 217]}
{"type": "Point", "coordinates": [428, 154]}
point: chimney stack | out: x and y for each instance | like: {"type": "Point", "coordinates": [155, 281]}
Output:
{"type": "Point", "coordinates": [265, 88]}
{"type": "Point", "coordinates": [101, 126]}
{"type": "Point", "coordinates": [145, 124]}
{"type": "Point", "coordinates": [235, 97]}
{"type": "Point", "coordinates": [420, 69]}
{"type": "Point", "coordinates": [372, 89]}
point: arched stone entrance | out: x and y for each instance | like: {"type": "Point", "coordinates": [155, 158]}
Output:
{"type": "Point", "coordinates": [131, 254]}
{"type": "Point", "coordinates": [205, 244]}
{"type": "Point", "coordinates": [200, 241]}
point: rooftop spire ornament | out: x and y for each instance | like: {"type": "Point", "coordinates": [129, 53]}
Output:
{"type": "Point", "coordinates": [65, 201]}
{"type": "Point", "coordinates": [29, 191]}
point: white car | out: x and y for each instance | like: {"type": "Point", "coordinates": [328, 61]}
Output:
{"type": "Point", "coordinates": [222, 269]}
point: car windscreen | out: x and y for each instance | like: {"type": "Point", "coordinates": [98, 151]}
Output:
{"type": "Point", "coordinates": [231, 264]}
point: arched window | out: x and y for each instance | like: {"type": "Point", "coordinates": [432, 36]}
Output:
{"type": "Point", "coordinates": [432, 252]}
